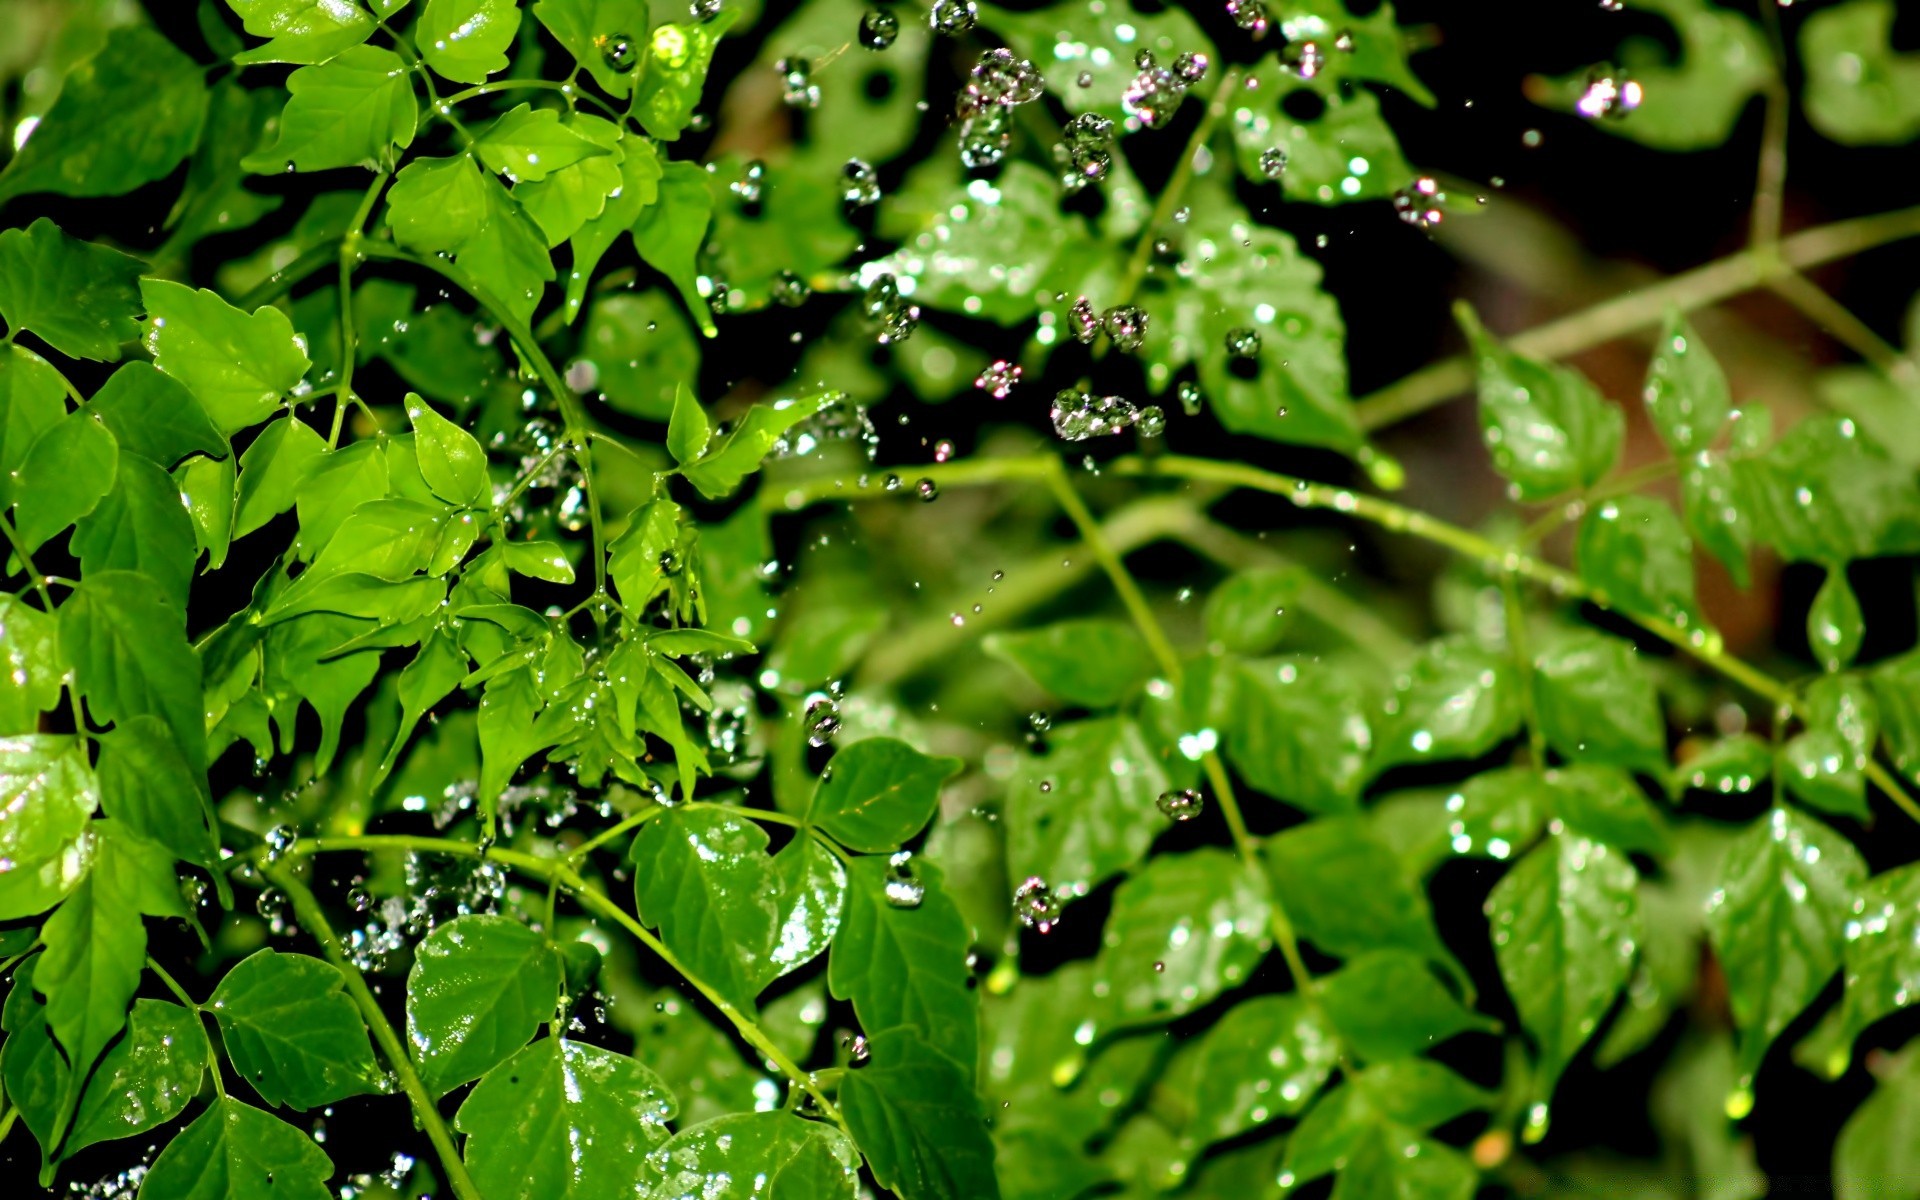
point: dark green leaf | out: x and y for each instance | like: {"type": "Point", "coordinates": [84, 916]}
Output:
{"type": "Point", "coordinates": [292, 1032]}
{"type": "Point", "coordinates": [31, 1066]}
{"type": "Point", "coordinates": [237, 365]}
{"type": "Point", "coordinates": [1342, 151]}
{"type": "Point", "coordinates": [1823, 494]}
{"type": "Point", "coordinates": [32, 399]}
{"type": "Point", "coordinates": [1605, 804]}
{"type": "Point", "coordinates": [1266, 1058]}
{"type": "Point", "coordinates": [130, 656]}
{"type": "Point", "coordinates": [528, 1120]}
{"type": "Point", "coordinates": [1633, 552]}
{"type": "Point", "coordinates": [1874, 1158]}
{"type": "Point", "coordinates": [80, 298]}
{"type": "Point", "coordinates": [1834, 624]}
{"type": "Point", "coordinates": [1084, 810]}
{"type": "Point", "coordinates": [303, 31]}
{"type": "Point", "coordinates": [913, 1111]}
{"type": "Point", "coordinates": [668, 234]}
{"type": "Point", "coordinates": [750, 1155]}
{"type": "Point", "coordinates": [216, 199]}
{"type": "Point", "coordinates": [1096, 663]}
{"type": "Point", "coordinates": [357, 110]}
{"type": "Point", "coordinates": [140, 525]}
{"type": "Point", "coordinates": [146, 1079]}
{"type": "Point", "coordinates": [148, 785]}
{"type": "Point", "coordinates": [233, 1151]}
{"type": "Point", "coordinates": [1184, 929]}
{"type": "Point", "coordinates": [86, 145]}
{"type": "Point", "coordinates": [35, 669]}
{"type": "Point", "coordinates": [1777, 922]}
{"type": "Point", "coordinates": [1896, 683]}
{"type": "Point", "coordinates": [68, 471]}
{"type": "Point", "coordinates": [1388, 1004]}
{"type": "Point", "coordinates": [1596, 703]}
{"type": "Point", "coordinates": [1297, 730]}
{"type": "Point", "coordinates": [480, 987]}
{"type": "Point", "coordinates": [1346, 892]}
{"type": "Point", "coordinates": [152, 415]}
{"type": "Point", "coordinates": [467, 40]}
{"type": "Point", "coordinates": [1458, 700]}
{"type": "Point", "coordinates": [1859, 91]}
{"type": "Point", "coordinates": [879, 792]}
{"type": "Point", "coordinates": [906, 965]}
{"type": "Point", "coordinates": [677, 59]}
{"type": "Point", "coordinates": [1546, 428]}
{"type": "Point", "coordinates": [1825, 765]}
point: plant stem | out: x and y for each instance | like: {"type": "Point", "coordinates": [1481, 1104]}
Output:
{"type": "Point", "coordinates": [1814, 303]}
{"type": "Point", "coordinates": [349, 338]}
{"type": "Point", "coordinates": [561, 872]}
{"type": "Point", "coordinates": [1701, 287]}
{"type": "Point", "coordinates": [307, 910]}
{"type": "Point", "coordinates": [1770, 181]}
{"type": "Point", "coordinates": [1175, 192]}
{"type": "Point", "coordinates": [180, 994]}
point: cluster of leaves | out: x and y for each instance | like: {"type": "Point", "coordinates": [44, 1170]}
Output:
{"type": "Point", "coordinates": [338, 598]}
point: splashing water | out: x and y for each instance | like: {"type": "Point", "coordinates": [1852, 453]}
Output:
{"type": "Point", "coordinates": [1243, 342]}
{"type": "Point", "coordinates": [859, 184]}
{"type": "Point", "coordinates": [1126, 325]}
{"type": "Point", "coordinates": [1078, 415]}
{"type": "Point", "coordinates": [998, 379]}
{"type": "Point", "coordinates": [798, 90]}
{"type": "Point", "coordinates": [954, 17]}
{"type": "Point", "coordinates": [1251, 16]}
{"type": "Point", "coordinates": [1609, 95]}
{"type": "Point", "coordinates": [821, 721]}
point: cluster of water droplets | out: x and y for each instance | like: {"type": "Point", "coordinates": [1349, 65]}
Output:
{"type": "Point", "coordinates": [1036, 905]}
{"type": "Point", "coordinates": [1156, 91]}
{"type": "Point", "coordinates": [1086, 156]}
{"type": "Point", "coordinates": [878, 29]}
{"type": "Point", "coordinates": [998, 83]}
{"type": "Point", "coordinates": [393, 1179]}
{"type": "Point", "coordinates": [1609, 94]}
{"type": "Point", "coordinates": [1079, 415]}
{"type": "Point", "coordinates": [883, 304]}
{"type": "Point", "coordinates": [797, 88]}
{"type": "Point", "coordinates": [998, 379]}
{"type": "Point", "coordinates": [1421, 203]}
{"type": "Point", "coordinates": [1251, 16]}
{"type": "Point", "coordinates": [438, 889]}
{"type": "Point", "coordinates": [1182, 805]}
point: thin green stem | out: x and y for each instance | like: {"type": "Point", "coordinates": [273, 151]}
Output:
{"type": "Point", "coordinates": [1618, 485]}
{"type": "Point", "coordinates": [180, 994]}
{"type": "Point", "coordinates": [607, 835]}
{"type": "Point", "coordinates": [314, 920]}
{"type": "Point", "coordinates": [1701, 287]}
{"type": "Point", "coordinates": [349, 335]}
{"type": "Point", "coordinates": [1516, 621]}
{"type": "Point", "coordinates": [597, 903]}
{"type": "Point", "coordinates": [1814, 303]}
{"type": "Point", "coordinates": [1770, 176]}
{"type": "Point", "coordinates": [6, 1123]}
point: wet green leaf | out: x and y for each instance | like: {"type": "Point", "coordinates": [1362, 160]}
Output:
{"type": "Point", "coordinates": [467, 40]}
{"type": "Point", "coordinates": [479, 989]}
{"type": "Point", "coordinates": [639, 189]}
{"type": "Point", "coordinates": [1881, 956]}
{"type": "Point", "coordinates": [1457, 700]}
{"type": "Point", "coordinates": [1084, 810]}
{"type": "Point", "coordinates": [688, 430]}
{"type": "Point", "coordinates": [292, 1032]}
{"type": "Point", "coordinates": [1824, 494]}
{"type": "Point", "coordinates": [140, 525]}
{"type": "Point", "coordinates": [154, 416]}
{"type": "Point", "coordinates": [86, 146]}
{"type": "Point", "coordinates": [130, 656]}
{"type": "Point", "coordinates": [739, 455]}
{"type": "Point", "coordinates": [1859, 90]}
{"type": "Point", "coordinates": [593, 31]}
{"type": "Point", "coordinates": [274, 471]}
{"type": "Point", "coordinates": [31, 1066]}
{"type": "Point", "coordinates": [677, 58]}
{"type": "Point", "coordinates": [879, 792]}
{"type": "Point", "coordinates": [1834, 624]}
{"type": "Point", "coordinates": [437, 205]}
{"type": "Point", "coordinates": [1731, 766]}
{"type": "Point", "coordinates": [1297, 730]}
{"type": "Point", "coordinates": [1265, 1058]}
{"type": "Point", "coordinates": [1596, 702]}
{"type": "Point", "coordinates": [234, 1151]}
{"type": "Point", "coordinates": [1346, 892]}
{"type": "Point", "coordinates": [913, 1112]}
{"type": "Point", "coordinates": [1605, 804]}
{"type": "Point", "coordinates": [148, 785]}
{"type": "Point", "coordinates": [1091, 662]}
{"type": "Point", "coordinates": [668, 234]}
{"type": "Point", "coordinates": [1825, 765]}
{"type": "Point", "coordinates": [1247, 613]}
{"type": "Point", "coordinates": [749, 1155]}
{"type": "Point", "coordinates": [506, 255]}
{"type": "Point", "coordinates": [528, 1118]}
{"type": "Point", "coordinates": [1711, 503]}
{"type": "Point", "coordinates": [562, 203]}
{"type": "Point", "coordinates": [451, 459]}
{"type": "Point", "coordinates": [530, 144]}
{"type": "Point", "coordinates": [1184, 929]}
{"type": "Point", "coordinates": [1339, 150]}
{"type": "Point", "coordinates": [49, 792]}
{"type": "Point", "coordinates": [1388, 1004]}
{"type": "Point", "coordinates": [1896, 684]}
{"type": "Point", "coordinates": [32, 400]}
{"type": "Point", "coordinates": [354, 111]}
{"type": "Point", "coordinates": [1546, 427]}
{"type": "Point", "coordinates": [238, 365]}
{"type": "Point", "coordinates": [67, 472]}
{"type": "Point", "coordinates": [303, 31]}
{"type": "Point", "coordinates": [906, 964]}
{"type": "Point", "coordinates": [146, 1079]}
{"type": "Point", "coordinates": [34, 668]}
{"type": "Point", "coordinates": [1634, 553]}
{"type": "Point", "coordinates": [1874, 1158]}
{"type": "Point", "coordinates": [80, 298]}
{"type": "Point", "coordinates": [1777, 922]}
{"type": "Point", "coordinates": [1686, 391]}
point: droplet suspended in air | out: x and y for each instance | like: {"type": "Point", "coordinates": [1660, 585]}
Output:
{"type": "Point", "coordinates": [279, 840]}
{"type": "Point", "coordinates": [620, 52]}
{"type": "Point", "coordinates": [1035, 905]}
{"type": "Point", "coordinates": [1305, 59]}
{"type": "Point", "coordinates": [985, 137]}
{"type": "Point", "coordinates": [1243, 342]}
{"type": "Point", "coordinates": [1609, 94]}
{"type": "Point", "coordinates": [1192, 398]}
{"type": "Point", "coordinates": [1273, 162]}
{"type": "Point", "coordinates": [859, 184]}
{"type": "Point", "coordinates": [1083, 321]}
{"type": "Point", "coordinates": [790, 290]}
{"type": "Point", "coordinates": [1078, 415]}
{"type": "Point", "coordinates": [998, 379]}
{"type": "Point", "coordinates": [1153, 94]}
{"type": "Point", "coordinates": [927, 490]}
{"type": "Point", "coordinates": [798, 90]}
{"type": "Point", "coordinates": [704, 10]}
{"type": "Point", "coordinates": [1250, 15]}
{"type": "Point", "coordinates": [821, 720]}
{"type": "Point", "coordinates": [954, 17]}
{"type": "Point", "coordinates": [1152, 421]}
{"type": "Point", "coordinates": [1126, 325]}
{"type": "Point", "coordinates": [1421, 204]}
{"type": "Point", "coordinates": [1182, 805]}
{"type": "Point", "coordinates": [751, 186]}
{"type": "Point", "coordinates": [878, 29]}
{"type": "Point", "coordinates": [1191, 67]}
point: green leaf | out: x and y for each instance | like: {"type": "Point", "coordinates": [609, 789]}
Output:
{"type": "Point", "coordinates": [1084, 810]}
{"type": "Point", "coordinates": [1834, 624]}
{"type": "Point", "coordinates": [452, 460]}
{"type": "Point", "coordinates": [148, 785]}
{"type": "Point", "coordinates": [1184, 928]}
{"type": "Point", "coordinates": [33, 399]}
{"type": "Point", "coordinates": [33, 671]}
{"type": "Point", "coordinates": [1881, 954]}
{"type": "Point", "coordinates": [1297, 730]}
{"type": "Point", "coordinates": [152, 415]}
{"type": "Point", "coordinates": [237, 365]}
{"type": "Point", "coordinates": [1458, 700]}
{"type": "Point", "coordinates": [569, 197]}
{"type": "Point", "coordinates": [86, 146]}
{"type": "Point", "coordinates": [591, 31]}
{"type": "Point", "coordinates": [274, 471]}
{"type": "Point", "coordinates": [1091, 662]}
{"type": "Point", "coordinates": [68, 471]}
{"type": "Point", "coordinates": [530, 144]}
{"type": "Point", "coordinates": [215, 198]}
{"type": "Point", "coordinates": [528, 1119]}
{"type": "Point", "coordinates": [1388, 1004]}
{"type": "Point", "coordinates": [303, 31]}
{"type": "Point", "coordinates": [1896, 683]}
{"type": "Point", "coordinates": [80, 298]}
{"type": "Point", "coordinates": [47, 794]}
{"type": "Point", "coordinates": [638, 191]}
{"type": "Point", "coordinates": [669, 233]}
{"type": "Point", "coordinates": [480, 987]}
{"type": "Point", "coordinates": [738, 918]}
{"type": "Point", "coordinates": [292, 1032]}
{"type": "Point", "coordinates": [1711, 504]}
{"type": "Point", "coordinates": [1266, 1058]}
{"type": "Point", "coordinates": [1605, 804]}
{"type": "Point", "coordinates": [1247, 612]}
{"type": "Point", "coordinates": [877, 793]}
{"type": "Point", "coordinates": [207, 488]}
{"type": "Point", "coordinates": [140, 525]}
{"type": "Point", "coordinates": [1731, 766]}
{"type": "Point", "coordinates": [1596, 703]}
{"type": "Point", "coordinates": [1691, 104]}
{"type": "Point", "coordinates": [1825, 765]}
{"type": "Point", "coordinates": [644, 350]}
{"type": "Point", "coordinates": [1686, 391]}
{"type": "Point", "coordinates": [31, 1066]}
{"type": "Point", "coordinates": [1370, 1128]}
{"type": "Point", "coordinates": [1069, 40]}
{"type": "Point", "coordinates": [130, 656]}
{"type": "Point", "coordinates": [1634, 553]}
{"type": "Point", "coordinates": [1823, 493]}
{"type": "Point", "coordinates": [507, 254]}
{"type": "Point", "coordinates": [914, 1114]}
{"type": "Point", "coordinates": [688, 430]}
{"type": "Point", "coordinates": [1565, 927]}
{"type": "Point", "coordinates": [751, 1155]}
{"type": "Point", "coordinates": [1858, 90]}
{"type": "Point", "coordinates": [436, 205]}
{"type": "Point", "coordinates": [739, 455]}
{"type": "Point", "coordinates": [145, 1080]}
{"type": "Point", "coordinates": [1874, 1158]}
{"type": "Point", "coordinates": [354, 111]}
{"type": "Point", "coordinates": [1347, 892]}
{"type": "Point", "coordinates": [677, 59]}
{"type": "Point", "coordinates": [1777, 922]}
{"type": "Point", "coordinates": [1346, 152]}
{"type": "Point", "coordinates": [1548, 430]}
{"type": "Point", "coordinates": [906, 965]}
{"type": "Point", "coordinates": [467, 40]}
{"type": "Point", "coordinates": [234, 1151]}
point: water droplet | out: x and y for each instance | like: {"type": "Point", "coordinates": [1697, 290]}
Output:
{"type": "Point", "coordinates": [790, 290]}
{"type": "Point", "coordinates": [878, 29]}
{"type": "Point", "coordinates": [751, 185]}
{"type": "Point", "coordinates": [1126, 325]}
{"type": "Point", "coordinates": [1191, 67]}
{"type": "Point", "coordinates": [1243, 342]}
{"type": "Point", "coordinates": [279, 840]}
{"type": "Point", "coordinates": [998, 379]}
{"type": "Point", "coordinates": [985, 137]}
{"type": "Point", "coordinates": [620, 52]}
{"type": "Point", "coordinates": [798, 90]}
{"type": "Point", "coordinates": [1250, 15]}
{"type": "Point", "coordinates": [1000, 78]}
{"type": "Point", "coordinates": [954, 17]}
{"type": "Point", "coordinates": [1152, 421]}
{"type": "Point", "coordinates": [859, 184]}
{"type": "Point", "coordinates": [1078, 415]}
{"type": "Point", "coordinates": [1182, 805]}
{"type": "Point", "coordinates": [927, 490]}
{"type": "Point", "coordinates": [1273, 162]}
{"type": "Point", "coordinates": [1039, 722]}
{"type": "Point", "coordinates": [1035, 905]}
{"type": "Point", "coordinates": [1609, 94]}
{"type": "Point", "coordinates": [1421, 204]}
{"type": "Point", "coordinates": [858, 1052]}
{"type": "Point", "coordinates": [1192, 398]}
{"type": "Point", "coordinates": [903, 888]}
{"type": "Point", "coordinates": [821, 721]}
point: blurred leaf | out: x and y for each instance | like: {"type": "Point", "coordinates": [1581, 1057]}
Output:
{"type": "Point", "coordinates": [1686, 391]}
{"type": "Point", "coordinates": [1091, 662]}
{"type": "Point", "coordinates": [1457, 700]}
{"type": "Point", "coordinates": [1346, 892]}
{"type": "Point", "coordinates": [1834, 624]}
{"type": "Point", "coordinates": [1859, 91]}
{"type": "Point", "coordinates": [1297, 730]}
{"type": "Point", "coordinates": [1873, 1158]}
{"type": "Point", "coordinates": [1265, 1058]}
{"type": "Point", "coordinates": [677, 59]}
{"type": "Point", "coordinates": [1185, 928]}
{"type": "Point", "coordinates": [1387, 1004]}
{"type": "Point", "coordinates": [644, 352]}
{"type": "Point", "coordinates": [1547, 429]}
{"type": "Point", "coordinates": [1082, 811]}
{"type": "Point", "coordinates": [1634, 553]}
{"type": "Point", "coordinates": [1824, 494]}
{"type": "Point", "coordinates": [302, 31]}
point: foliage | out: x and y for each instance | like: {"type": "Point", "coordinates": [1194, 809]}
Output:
{"type": "Point", "coordinates": [461, 628]}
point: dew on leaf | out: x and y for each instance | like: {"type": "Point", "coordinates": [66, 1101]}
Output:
{"type": "Point", "coordinates": [620, 52]}
{"type": "Point", "coordinates": [704, 10]}
{"type": "Point", "coordinates": [903, 887]}
{"type": "Point", "coordinates": [878, 29]}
